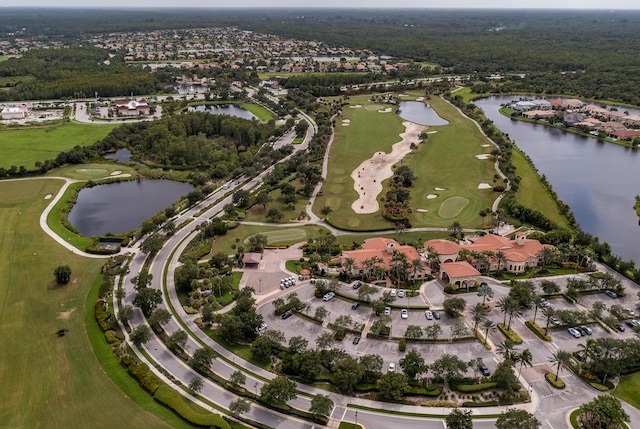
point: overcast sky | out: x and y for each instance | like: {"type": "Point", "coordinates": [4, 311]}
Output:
{"type": "Point", "coordinates": [494, 4]}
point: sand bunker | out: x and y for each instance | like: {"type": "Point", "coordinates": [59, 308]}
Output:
{"type": "Point", "coordinates": [440, 189]}
{"type": "Point", "coordinates": [422, 210]}
{"type": "Point", "coordinates": [356, 106]}
{"type": "Point", "coordinates": [420, 99]}
{"type": "Point", "coordinates": [431, 196]}
{"type": "Point", "coordinates": [484, 186]}
{"type": "Point", "coordinates": [387, 110]}
{"type": "Point", "coordinates": [115, 173]}
{"type": "Point", "coordinates": [486, 145]}
{"type": "Point", "coordinates": [48, 196]}
{"type": "Point", "coordinates": [346, 122]}
{"type": "Point", "coordinates": [483, 156]}
{"type": "Point", "coordinates": [368, 176]}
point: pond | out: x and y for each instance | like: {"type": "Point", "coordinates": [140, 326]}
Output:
{"type": "Point", "coordinates": [598, 180]}
{"type": "Point", "coordinates": [224, 109]}
{"type": "Point", "coordinates": [420, 113]}
{"type": "Point", "coordinates": [121, 155]}
{"type": "Point", "coordinates": [120, 207]}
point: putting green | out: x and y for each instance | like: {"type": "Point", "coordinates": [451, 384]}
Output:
{"type": "Point", "coordinates": [288, 235]}
{"type": "Point", "coordinates": [452, 206]}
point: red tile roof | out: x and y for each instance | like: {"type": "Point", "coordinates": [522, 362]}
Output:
{"type": "Point", "coordinates": [459, 269]}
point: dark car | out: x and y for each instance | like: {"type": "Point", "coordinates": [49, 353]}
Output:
{"type": "Point", "coordinates": [620, 327]}
{"type": "Point", "coordinates": [355, 305]}
{"type": "Point", "coordinates": [436, 315]}
{"type": "Point", "coordinates": [356, 340]}
{"type": "Point", "coordinates": [357, 285]}
{"type": "Point", "coordinates": [286, 314]}
{"type": "Point", "coordinates": [484, 370]}
{"type": "Point", "coordinates": [630, 323]}
{"type": "Point", "coordinates": [610, 294]}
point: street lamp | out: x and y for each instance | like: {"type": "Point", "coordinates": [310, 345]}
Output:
{"type": "Point", "coordinates": [356, 416]}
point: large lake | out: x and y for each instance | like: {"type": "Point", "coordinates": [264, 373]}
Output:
{"type": "Point", "coordinates": [599, 181]}
{"type": "Point", "coordinates": [120, 207]}
{"type": "Point", "coordinates": [224, 109]}
{"type": "Point", "coordinates": [420, 113]}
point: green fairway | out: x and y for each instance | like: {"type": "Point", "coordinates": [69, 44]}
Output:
{"type": "Point", "coordinates": [283, 236]}
{"type": "Point", "coordinates": [50, 381]}
{"type": "Point", "coordinates": [262, 113]}
{"type": "Point", "coordinates": [446, 164]}
{"type": "Point", "coordinates": [29, 145]}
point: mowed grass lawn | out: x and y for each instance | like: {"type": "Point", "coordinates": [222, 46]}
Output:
{"type": "Point", "coordinates": [447, 160]}
{"type": "Point", "coordinates": [47, 381]}
{"type": "Point", "coordinates": [29, 145]}
{"type": "Point", "coordinates": [629, 389]}
{"type": "Point", "coordinates": [275, 236]}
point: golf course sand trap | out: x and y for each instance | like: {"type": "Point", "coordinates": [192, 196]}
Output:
{"type": "Point", "coordinates": [484, 186]}
{"type": "Point", "coordinates": [356, 106]}
{"type": "Point", "coordinates": [431, 196]}
{"type": "Point", "coordinates": [440, 189]}
{"type": "Point", "coordinates": [368, 176]}
{"type": "Point", "coordinates": [115, 173]}
{"type": "Point", "coordinates": [48, 196]}
{"type": "Point", "coordinates": [387, 110]}
{"type": "Point", "coordinates": [483, 156]}
{"type": "Point", "coordinates": [422, 210]}
{"type": "Point", "coordinates": [486, 145]}
{"type": "Point", "coordinates": [420, 99]}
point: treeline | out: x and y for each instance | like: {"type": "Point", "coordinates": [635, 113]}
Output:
{"type": "Point", "coordinates": [194, 140]}
{"type": "Point", "coordinates": [76, 72]}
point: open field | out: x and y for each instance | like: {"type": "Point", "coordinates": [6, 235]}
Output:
{"type": "Point", "coordinates": [50, 381]}
{"type": "Point", "coordinates": [29, 145]}
{"type": "Point", "coordinates": [278, 235]}
{"type": "Point", "coordinates": [446, 165]}
{"type": "Point", "coordinates": [91, 171]}
{"type": "Point", "coordinates": [262, 113]}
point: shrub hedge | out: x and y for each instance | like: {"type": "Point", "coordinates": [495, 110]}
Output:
{"type": "Point", "coordinates": [102, 315]}
{"type": "Point", "coordinates": [146, 378]}
{"type": "Point", "coordinates": [533, 327]}
{"type": "Point", "coordinates": [433, 390]}
{"type": "Point", "coordinates": [468, 388]}
{"type": "Point", "coordinates": [551, 379]}
{"type": "Point", "coordinates": [172, 399]}
{"type": "Point", "coordinates": [480, 404]}
{"type": "Point", "coordinates": [510, 333]}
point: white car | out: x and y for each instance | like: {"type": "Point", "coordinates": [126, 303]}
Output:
{"type": "Point", "coordinates": [329, 296]}
{"type": "Point", "coordinates": [574, 332]}
{"type": "Point", "coordinates": [428, 314]}
{"type": "Point", "coordinates": [387, 311]}
{"type": "Point", "coordinates": [393, 292]}
{"type": "Point", "coordinates": [404, 314]}
{"type": "Point", "coordinates": [392, 367]}
{"type": "Point", "coordinates": [400, 294]}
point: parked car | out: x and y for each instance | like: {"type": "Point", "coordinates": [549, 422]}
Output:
{"type": "Point", "coordinates": [400, 294]}
{"type": "Point", "coordinates": [357, 285]}
{"type": "Point", "coordinates": [356, 339]}
{"type": "Point", "coordinates": [554, 321]}
{"type": "Point", "coordinates": [312, 281]}
{"type": "Point", "coordinates": [428, 314]}
{"type": "Point", "coordinates": [387, 311]}
{"type": "Point", "coordinates": [574, 332]}
{"type": "Point", "coordinates": [586, 330]}
{"type": "Point", "coordinates": [262, 328]}
{"type": "Point", "coordinates": [328, 296]}
{"type": "Point", "coordinates": [391, 367]}
{"type": "Point", "coordinates": [619, 327]}
{"type": "Point", "coordinates": [355, 305]}
{"type": "Point", "coordinates": [436, 315]}
{"type": "Point", "coordinates": [610, 294]}
{"type": "Point", "coordinates": [484, 370]}
{"type": "Point", "coordinates": [404, 314]}
{"type": "Point", "coordinates": [286, 314]}
{"type": "Point", "coordinates": [393, 292]}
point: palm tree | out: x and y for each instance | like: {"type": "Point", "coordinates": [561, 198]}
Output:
{"type": "Point", "coordinates": [483, 214]}
{"type": "Point", "coordinates": [502, 260]}
{"type": "Point", "coordinates": [489, 327]}
{"type": "Point", "coordinates": [561, 359]}
{"type": "Point", "coordinates": [525, 358]}
{"type": "Point", "coordinates": [548, 312]}
{"type": "Point", "coordinates": [514, 309]}
{"type": "Point", "coordinates": [455, 230]}
{"type": "Point", "coordinates": [416, 264]}
{"type": "Point", "coordinates": [348, 265]}
{"type": "Point", "coordinates": [505, 304]}
{"type": "Point", "coordinates": [477, 315]}
{"type": "Point", "coordinates": [506, 349]}
{"type": "Point", "coordinates": [587, 349]}
{"type": "Point", "coordinates": [537, 300]}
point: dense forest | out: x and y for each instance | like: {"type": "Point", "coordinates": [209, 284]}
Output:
{"type": "Point", "coordinates": [76, 72]}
